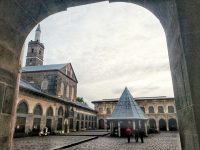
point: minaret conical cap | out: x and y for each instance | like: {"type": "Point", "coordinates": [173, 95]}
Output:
{"type": "Point", "coordinates": [38, 28]}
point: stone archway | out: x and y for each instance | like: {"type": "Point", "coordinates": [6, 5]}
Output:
{"type": "Point", "coordinates": [181, 25]}
{"type": "Point", "coordinates": [172, 123]}
{"type": "Point", "coordinates": [162, 125]}
{"type": "Point", "coordinates": [22, 113]}
{"type": "Point", "coordinates": [101, 124]}
{"type": "Point", "coordinates": [152, 124]}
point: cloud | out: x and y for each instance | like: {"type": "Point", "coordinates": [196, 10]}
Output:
{"type": "Point", "coordinates": [110, 46]}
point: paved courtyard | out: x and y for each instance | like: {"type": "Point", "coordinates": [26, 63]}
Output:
{"type": "Point", "coordinates": [46, 143]}
{"type": "Point", "coordinates": [162, 141]}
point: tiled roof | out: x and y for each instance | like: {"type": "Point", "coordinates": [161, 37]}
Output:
{"type": "Point", "coordinates": [136, 98]}
{"type": "Point", "coordinates": [26, 85]}
{"type": "Point", "coordinates": [43, 67]}
{"type": "Point", "coordinates": [83, 105]}
{"type": "Point", "coordinates": [127, 108]}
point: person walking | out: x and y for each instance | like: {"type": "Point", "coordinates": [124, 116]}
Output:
{"type": "Point", "coordinates": [136, 134]}
{"type": "Point", "coordinates": [128, 133]}
{"type": "Point", "coordinates": [141, 134]}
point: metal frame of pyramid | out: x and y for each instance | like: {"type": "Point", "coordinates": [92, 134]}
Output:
{"type": "Point", "coordinates": [127, 108]}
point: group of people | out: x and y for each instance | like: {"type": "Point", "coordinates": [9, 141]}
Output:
{"type": "Point", "coordinates": [138, 133]}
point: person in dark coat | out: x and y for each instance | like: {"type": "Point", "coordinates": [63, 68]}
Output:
{"type": "Point", "coordinates": [136, 135]}
{"type": "Point", "coordinates": [128, 133]}
{"type": "Point", "coordinates": [141, 134]}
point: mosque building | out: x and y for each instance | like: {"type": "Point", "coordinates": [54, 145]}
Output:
{"type": "Point", "coordinates": [47, 96]}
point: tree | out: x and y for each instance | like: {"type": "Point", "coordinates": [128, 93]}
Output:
{"type": "Point", "coordinates": [80, 99]}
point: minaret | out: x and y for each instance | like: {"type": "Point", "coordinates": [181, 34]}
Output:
{"type": "Point", "coordinates": [37, 33]}
{"type": "Point", "coordinates": [35, 52]}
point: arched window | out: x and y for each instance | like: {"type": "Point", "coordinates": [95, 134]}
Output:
{"type": "Point", "coordinates": [62, 89]}
{"type": "Point", "coordinates": [22, 108]}
{"type": "Point", "coordinates": [162, 125]}
{"type": "Point", "coordinates": [82, 117]}
{"type": "Point", "coordinates": [50, 111]}
{"type": "Point", "coordinates": [170, 109]}
{"type": "Point", "coordinates": [37, 110]}
{"type": "Point", "coordinates": [143, 109]}
{"type": "Point", "coordinates": [151, 109]}
{"type": "Point", "coordinates": [108, 110]}
{"type": "Point", "coordinates": [78, 116]}
{"type": "Point", "coordinates": [60, 111]}
{"type": "Point", "coordinates": [172, 124]}
{"type": "Point", "coordinates": [100, 110]}
{"type": "Point", "coordinates": [160, 109]}
{"type": "Point", "coordinates": [44, 84]}
{"type": "Point", "coordinates": [66, 111]}
{"type": "Point", "coordinates": [67, 91]}
{"type": "Point", "coordinates": [152, 124]}
{"type": "Point", "coordinates": [72, 94]}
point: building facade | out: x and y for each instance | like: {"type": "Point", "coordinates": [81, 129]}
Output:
{"type": "Point", "coordinates": [160, 111]}
{"type": "Point", "coordinates": [47, 96]}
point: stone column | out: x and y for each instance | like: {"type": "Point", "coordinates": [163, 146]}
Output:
{"type": "Point", "coordinates": [119, 129]}
{"type": "Point", "coordinates": [167, 124]}
{"type": "Point", "coordinates": [111, 129]}
{"type": "Point", "coordinates": [157, 125]}
{"type": "Point", "coordinates": [133, 124]}
{"type": "Point", "coordinates": [145, 126]}
{"type": "Point", "coordinates": [139, 123]}
{"type": "Point", "coordinates": [54, 124]}
{"type": "Point", "coordinates": [29, 123]}
{"type": "Point", "coordinates": [79, 125]}
{"type": "Point", "coordinates": [74, 124]}
{"type": "Point", "coordinates": [43, 122]}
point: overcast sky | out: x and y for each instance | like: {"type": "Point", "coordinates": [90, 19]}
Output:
{"type": "Point", "coordinates": [110, 46]}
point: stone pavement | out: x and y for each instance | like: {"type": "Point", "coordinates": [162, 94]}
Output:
{"type": "Point", "coordinates": [47, 142]}
{"type": "Point", "coordinates": [89, 133]}
{"type": "Point", "coordinates": [162, 141]}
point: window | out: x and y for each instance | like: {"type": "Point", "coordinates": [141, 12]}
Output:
{"type": "Point", "coordinates": [62, 89]}
{"type": "Point", "coordinates": [143, 109]}
{"type": "Point", "coordinates": [78, 116]}
{"type": "Point", "coordinates": [22, 108]}
{"type": "Point", "coordinates": [60, 111]}
{"type": "Point", "coordinates": [40, 52]}
{"type": "Point", "coordinates": [151, 109]}
{"type": "Point", "coordinates": [44, 85]}
{"type": "Point", "coordinates": [108, 111]}
{"type": "Point", "coordinates": [38, 110]}
{"type": "Point", "coordinates": [50, 111]}
{"type": "Point", "coordinates": [100, 110]}
{"type": "Point", "coordinates": [160, 109]}
{"type": "Point", "coordinates": [72, 95]}
{"type": "Point", "coordinates": [170, 109]}
{"type": "Point", "coordinates": [67, 91]}
{"type": "Point", "coordinates": [32, 50]}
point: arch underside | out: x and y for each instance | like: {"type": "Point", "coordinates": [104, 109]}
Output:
{"type": "Point", "coordinates": [179, 20]}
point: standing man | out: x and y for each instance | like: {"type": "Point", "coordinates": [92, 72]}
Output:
{"type": "Point", "coordinates": [141, 133]}
{"type": "Point", "coordinates": [128, 133]}
{"type": "Point", "coordinates": [136, 134]}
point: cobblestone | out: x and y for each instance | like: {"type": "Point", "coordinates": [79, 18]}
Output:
{"type": "Point", "coordinates": [162, 141]}
{"type": "Point", "coordinates": [46, 143]}
{"type": "Point", "coordinates": [89, 133]}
